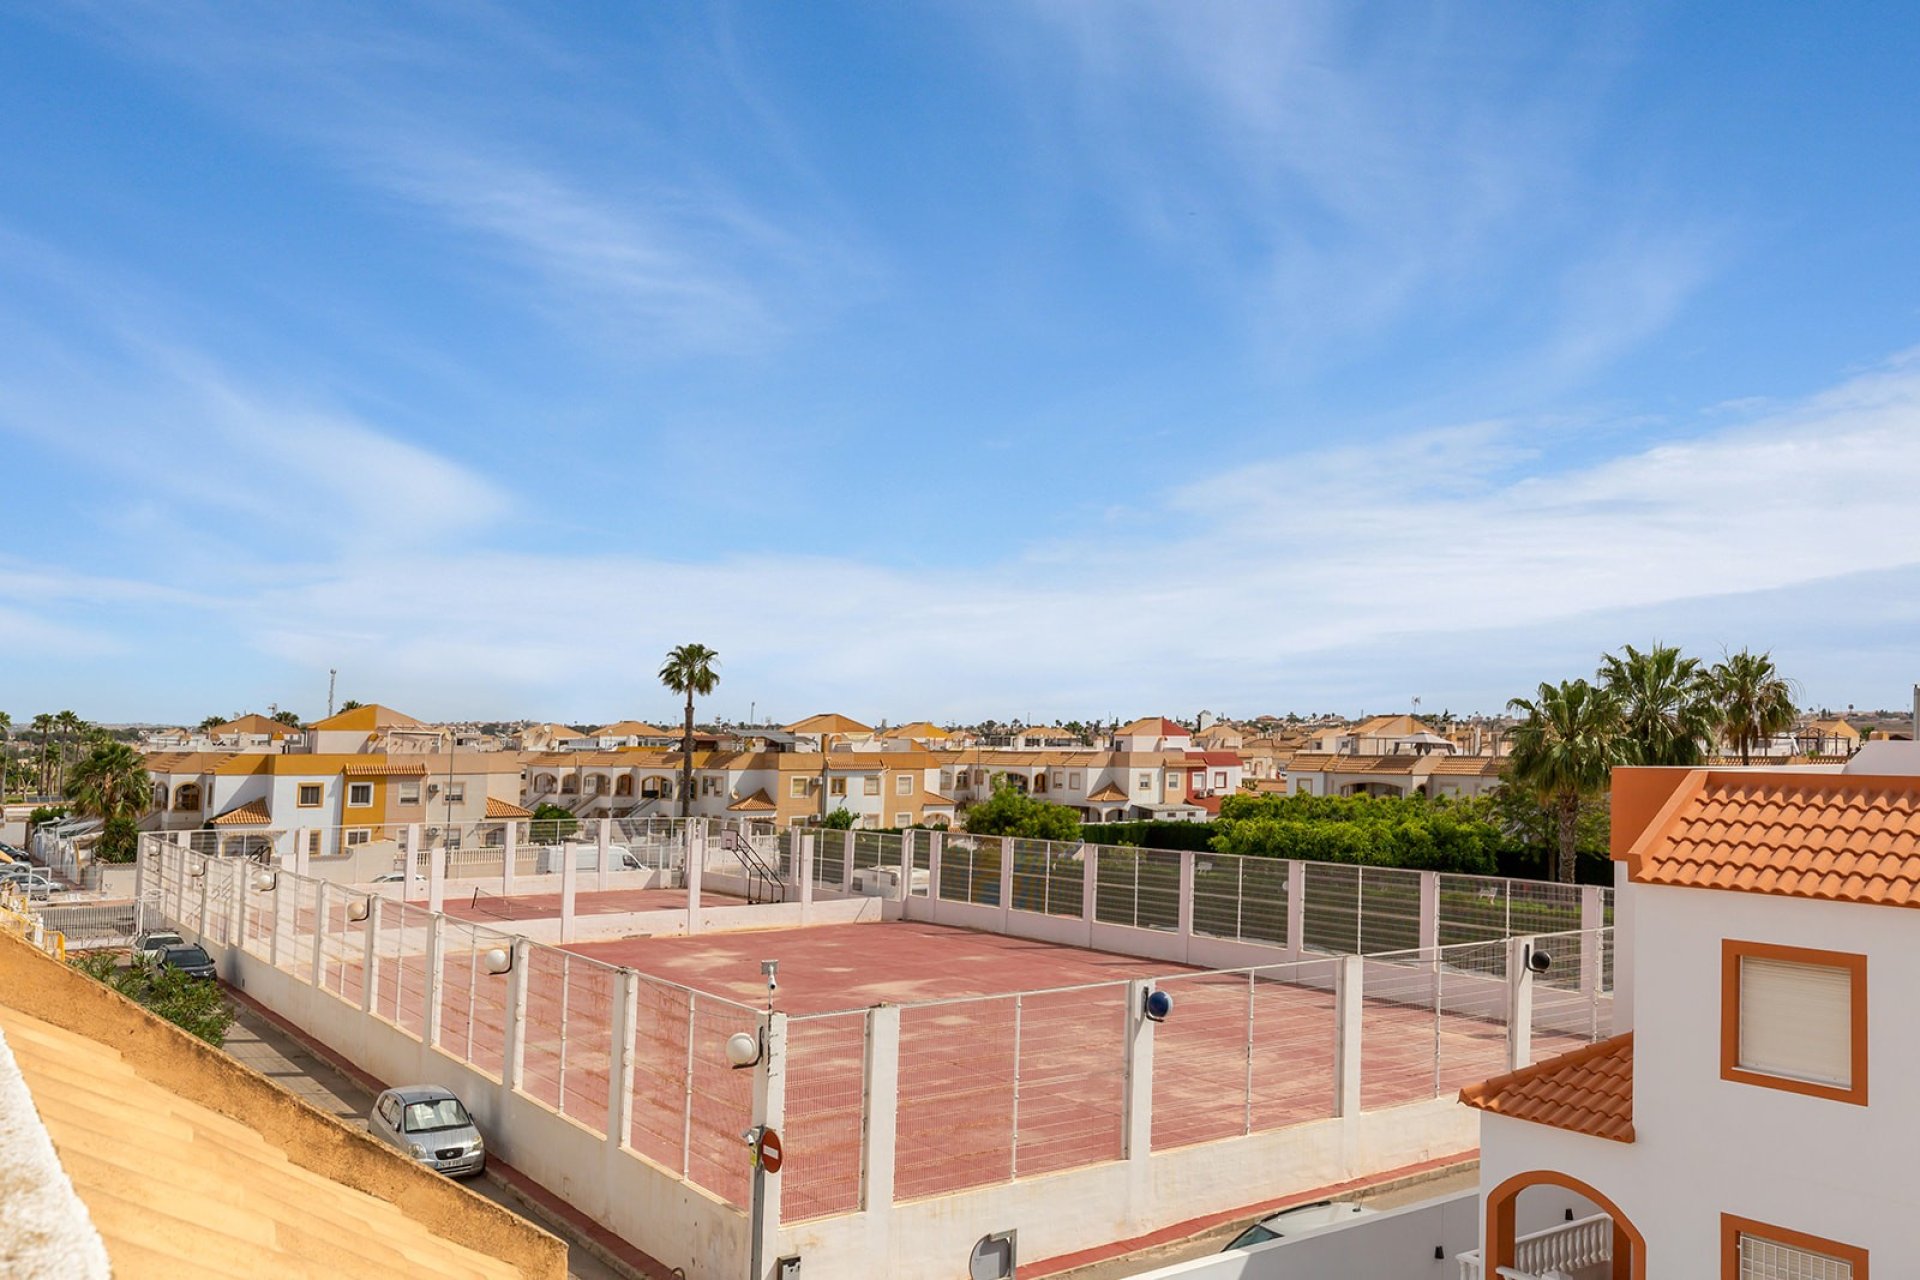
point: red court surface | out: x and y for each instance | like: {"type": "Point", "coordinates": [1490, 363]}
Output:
{"type": "Point", "coordinates": [994, 1085]}
{"type": "Point", "coordinates": [489, 905]}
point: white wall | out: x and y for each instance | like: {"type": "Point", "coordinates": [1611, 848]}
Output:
{"type": "Point", "coordinates": [1395, 1245]}
{"type": "Point", "coordinates": [1705, 1146]}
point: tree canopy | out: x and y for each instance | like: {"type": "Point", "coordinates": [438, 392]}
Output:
{"type": "Point", "coordinates": [1011, 812]}
{"type": "Point", "coordinates": [1383, 831]}
{"type": "Point", "coordinates": [1755, 701]}
{"type": "Point", "coordinates": [1665, 702]}
{"type": "Point", "coordinates": [1564, 753]}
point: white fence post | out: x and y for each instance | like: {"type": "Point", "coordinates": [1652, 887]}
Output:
{"type": "Point", "coordinates": [906, 839]}
{"type": "Point", "coordinates": [437, 875]}
{"type": "Point", "coordinates": [569, 885]}
{"type": "Point", "coordinates": [301, 851]}
{"type": "Point", "coordinates": [1006, 883]}
{"type": "Point", "coordinates": [411, 867]}
{"type": "Point", "coordinates": [513, 1061]}
{"type": "Point", "coordinates": [1297, 909]}
{"type": "Point", "coordinates": [1593, 918]}
{"type": "Point", "coordinates": [1137, 1136]}
{"type": "Point", "coordinates": [1188, 866]}
{"type": "Point", "coordinates": [805, 845]}
{"type": "Point", "coordinates": [236, 928]}
{"type": "Point", "coordinates": [510, 857]}
{"type": "Point", "coordinates": [603, 838]}
{"type": "Point", "coordinates": [1089, 885]}
{"type": "Point", "coordinates": [436, 956]}
{"type": "Point", "coordinates": [882, 1108]}
{"type": "Point", "coordinates": [769, 1109]}
{"type": "Point", "coordinates": [1349, 992]}
{"type": "Point", "coordinates": [317, 975]}
{"type": "Point", "coordinates": [1519, 1003]}
{"type": "Point", "coordinates": [370, 954]}
{"type": "Point", "coordinates": [1429, 910]}
{"type": "Point", "coordinates": [696, 875]}
{"type": "Point", "coordinates": [206, 882]}
{"type": "Point", "coordinates": [625, 1018]}
{"type": "Point", "coordinates": [935, 843]}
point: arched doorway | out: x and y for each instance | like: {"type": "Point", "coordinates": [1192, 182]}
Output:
{"type": "Point", "coordinates": [1497, 1233]}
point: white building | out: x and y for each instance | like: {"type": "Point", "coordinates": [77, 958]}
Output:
{"type": "Point", "coordinates": [1759, 1119]}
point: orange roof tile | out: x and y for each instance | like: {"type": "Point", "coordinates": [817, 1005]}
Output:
{"type": "Point", "coordinates": [1587, 1091]}
{"type": "Point", "coordinates": [386, 769]}
{"type": "Point", "coordinates": [1108, 794]}
{"type": "Point", "coordinates": [755, 803]}
{"type": "Point", "coordinates": [1470, 765]}
{"type": "Point", "coordinates": [251, 814]}
{"type": "Point", "coordinates": [498, 808]}
{"type": "Point", "coordinates": [1839, 837]}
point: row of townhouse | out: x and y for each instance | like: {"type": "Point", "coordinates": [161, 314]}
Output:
{"type": "Point", "coordinates": [1756, 1114]}
{"type": "Point", "coordinates": [882, 788]}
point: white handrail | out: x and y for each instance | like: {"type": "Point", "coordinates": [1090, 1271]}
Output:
{"type": "Point", "coordinates": [1566, 1245]}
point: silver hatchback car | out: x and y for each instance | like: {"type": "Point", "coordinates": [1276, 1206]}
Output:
{"type": "Point", "coordinates": [429, 1124]}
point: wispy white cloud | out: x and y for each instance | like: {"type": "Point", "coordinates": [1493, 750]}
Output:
{"type": "Point", "coordinates": [646, 251]}
{"type": "Point", "coordinates": [1279, 567]}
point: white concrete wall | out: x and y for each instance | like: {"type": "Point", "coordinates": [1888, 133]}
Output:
{"type": "Point", "coordinates": [1705, 1146]}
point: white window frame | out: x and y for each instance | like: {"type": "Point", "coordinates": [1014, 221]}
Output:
{"type": "Point", "coordinates": [364, 790]}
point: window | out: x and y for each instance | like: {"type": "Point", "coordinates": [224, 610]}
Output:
{"type": "Point", "coordinates": [1075, 782]}
{"type": "Point", "coordinates": [798, 788]}
{"type": "Point", "coordinates": [872, 786]}
{"type": "Point", "coordinates": [710, 786]}
{"type": "Point", "coordinates": [359, 795]}
{"type": "Point", "coordinates": [903, 785]}
{"type": "Point", "coordinates": [836, 786]}
{"type": "Point", "coordinates": [1173, 782]}
{"type": "Point", "coordinates": [1219, 777]}
{"type": "Point", "coordinates": [946, 780]}
{"type": "Point", "coordinates": [359, 836]}
{"type": "Point", "coordinates": [1757, 1251]}
{"type": "Point", "coordinates": [1794, 1018]}
{"type": "Point", "coordinates": [1040, 783]}
{"type": "Point", "coordinates": [902, 819]}
{"type": "Point", "coordinates": [1146, 782]}
{"type": "Point", "coordinates": [313, 843]}
{"type": "Point", "coordinates": [1059, 779]}
{"type": "Point", "coordinates": [309, 797]}
{"type": "Point", "coordinates": [410, 792]}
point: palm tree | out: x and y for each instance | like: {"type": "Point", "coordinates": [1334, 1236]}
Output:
{"type": "Point", "coordinates": [43, 725]}
{"type": "Point", "coordinates": [71, 727]}
{"type": "Point", "coordinates": [689, 670]}
{"type": "Point", "coordinates": [1564, 753]}
{"type": "Point", "coordinates": [1754, 700]}
{"type": "Point", "coordinates": [1666, 703]}
{"type": "Point", "coordinates": [111, 782]}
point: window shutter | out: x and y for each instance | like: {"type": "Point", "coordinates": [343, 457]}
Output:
{"type": "Point", "coordinates": [1762, 1259]}
{"type": "Point", "coordinates": [1796, 1020]}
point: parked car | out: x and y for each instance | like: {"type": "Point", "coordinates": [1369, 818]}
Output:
{"type": "Point", "coordinates": [155, 941]}
{"type": "Point", "coordinates": [1301, 1220]}
{"type": "Point", "coordinates": [190, 960]}
{"type": "Point", "coordinates": [397, 877]}
{"type": "Point", "coordinates": [31, 881]}
{"type": "Point", "coordinates": [9, 853]}
{"type": "Point", "coordinates": [429, 1124]}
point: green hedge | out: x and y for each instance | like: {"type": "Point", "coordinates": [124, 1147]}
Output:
{"type": "Point", "coordinates": [1151, 835]}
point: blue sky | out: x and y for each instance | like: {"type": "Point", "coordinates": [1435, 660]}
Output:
{"type": "Point", "coordinates": [1047, 360]}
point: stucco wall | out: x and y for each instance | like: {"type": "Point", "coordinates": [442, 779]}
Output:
{"type": "Point", "coordinates": [38, 985]}
{"type": "Point", "coordinates": [1705, 1146]}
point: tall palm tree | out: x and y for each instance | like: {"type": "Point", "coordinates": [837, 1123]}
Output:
{"type": "Point", "coordinates": [1564, 753]}
{"type": "Point", "coordinates": [72, 728]}
{"type": "Point", "coordinates": [43, 725]}
{"type": "Point", "coordinates": [1755, 702]}
{"type": "Point", "coordinates": [1666, 703]}
{"type": "Point", "coordinates": [689, 669]}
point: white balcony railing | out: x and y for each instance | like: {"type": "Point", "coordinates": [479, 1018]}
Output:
{"type": "Point", "coordinates": [1567, 1246]}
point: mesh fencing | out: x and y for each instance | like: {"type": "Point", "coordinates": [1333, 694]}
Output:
{"type": "Point", "coordinates": [956, 1108]}
{"type": "Point", "coordinates": [1070, 1060]}
{"type": "Point", "coordinates": [473, 1000]}
{"type": "Point", "coordinates": [1048, 878]}
{"type": "Point", "coordinates": [1137, 887]}
{"type": "Point", "coordinates": [1202, 1088]}
{"type": "Point", "coordinates": [970, 870]}
{"type": "Point", "coordinates": [825, 1110]}
{"type": "Point", "coordinates": [1241, 898]}
{"type": "Point", "coordinates": [1572, 1004]}
{"type": "Point", "coordinates": [719, 1104]}
{"type": "Point", "coordinates": [1293, 1045]}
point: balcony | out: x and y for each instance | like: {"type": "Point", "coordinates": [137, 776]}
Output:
{"type": "Point", "coordinates": [1579, 1250]}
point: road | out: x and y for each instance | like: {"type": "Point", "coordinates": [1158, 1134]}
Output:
{"type": "Point", "coordinates": [260, 1044]}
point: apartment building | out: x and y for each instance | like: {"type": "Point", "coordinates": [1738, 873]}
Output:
{"type": "Point", "coordinates": [1757, 1115]}
{"type": "Point", "coordinates": [376, 729]}
{"type": "Point", "coordinates": [1381, 736]}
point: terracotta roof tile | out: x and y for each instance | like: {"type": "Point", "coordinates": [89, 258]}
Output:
{"type": "Point", "coordinates": [1587, 1091]}
{"type": "Point", "coordinates": [1847, 838]}
{"type": "Point", "coordinates": [498, 808]}
{"type": "Point", "coordinates": [251, 814]}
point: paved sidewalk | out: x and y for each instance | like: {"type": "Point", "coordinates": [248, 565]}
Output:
{"type": "Point", "coordinates": [257, 1040]}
